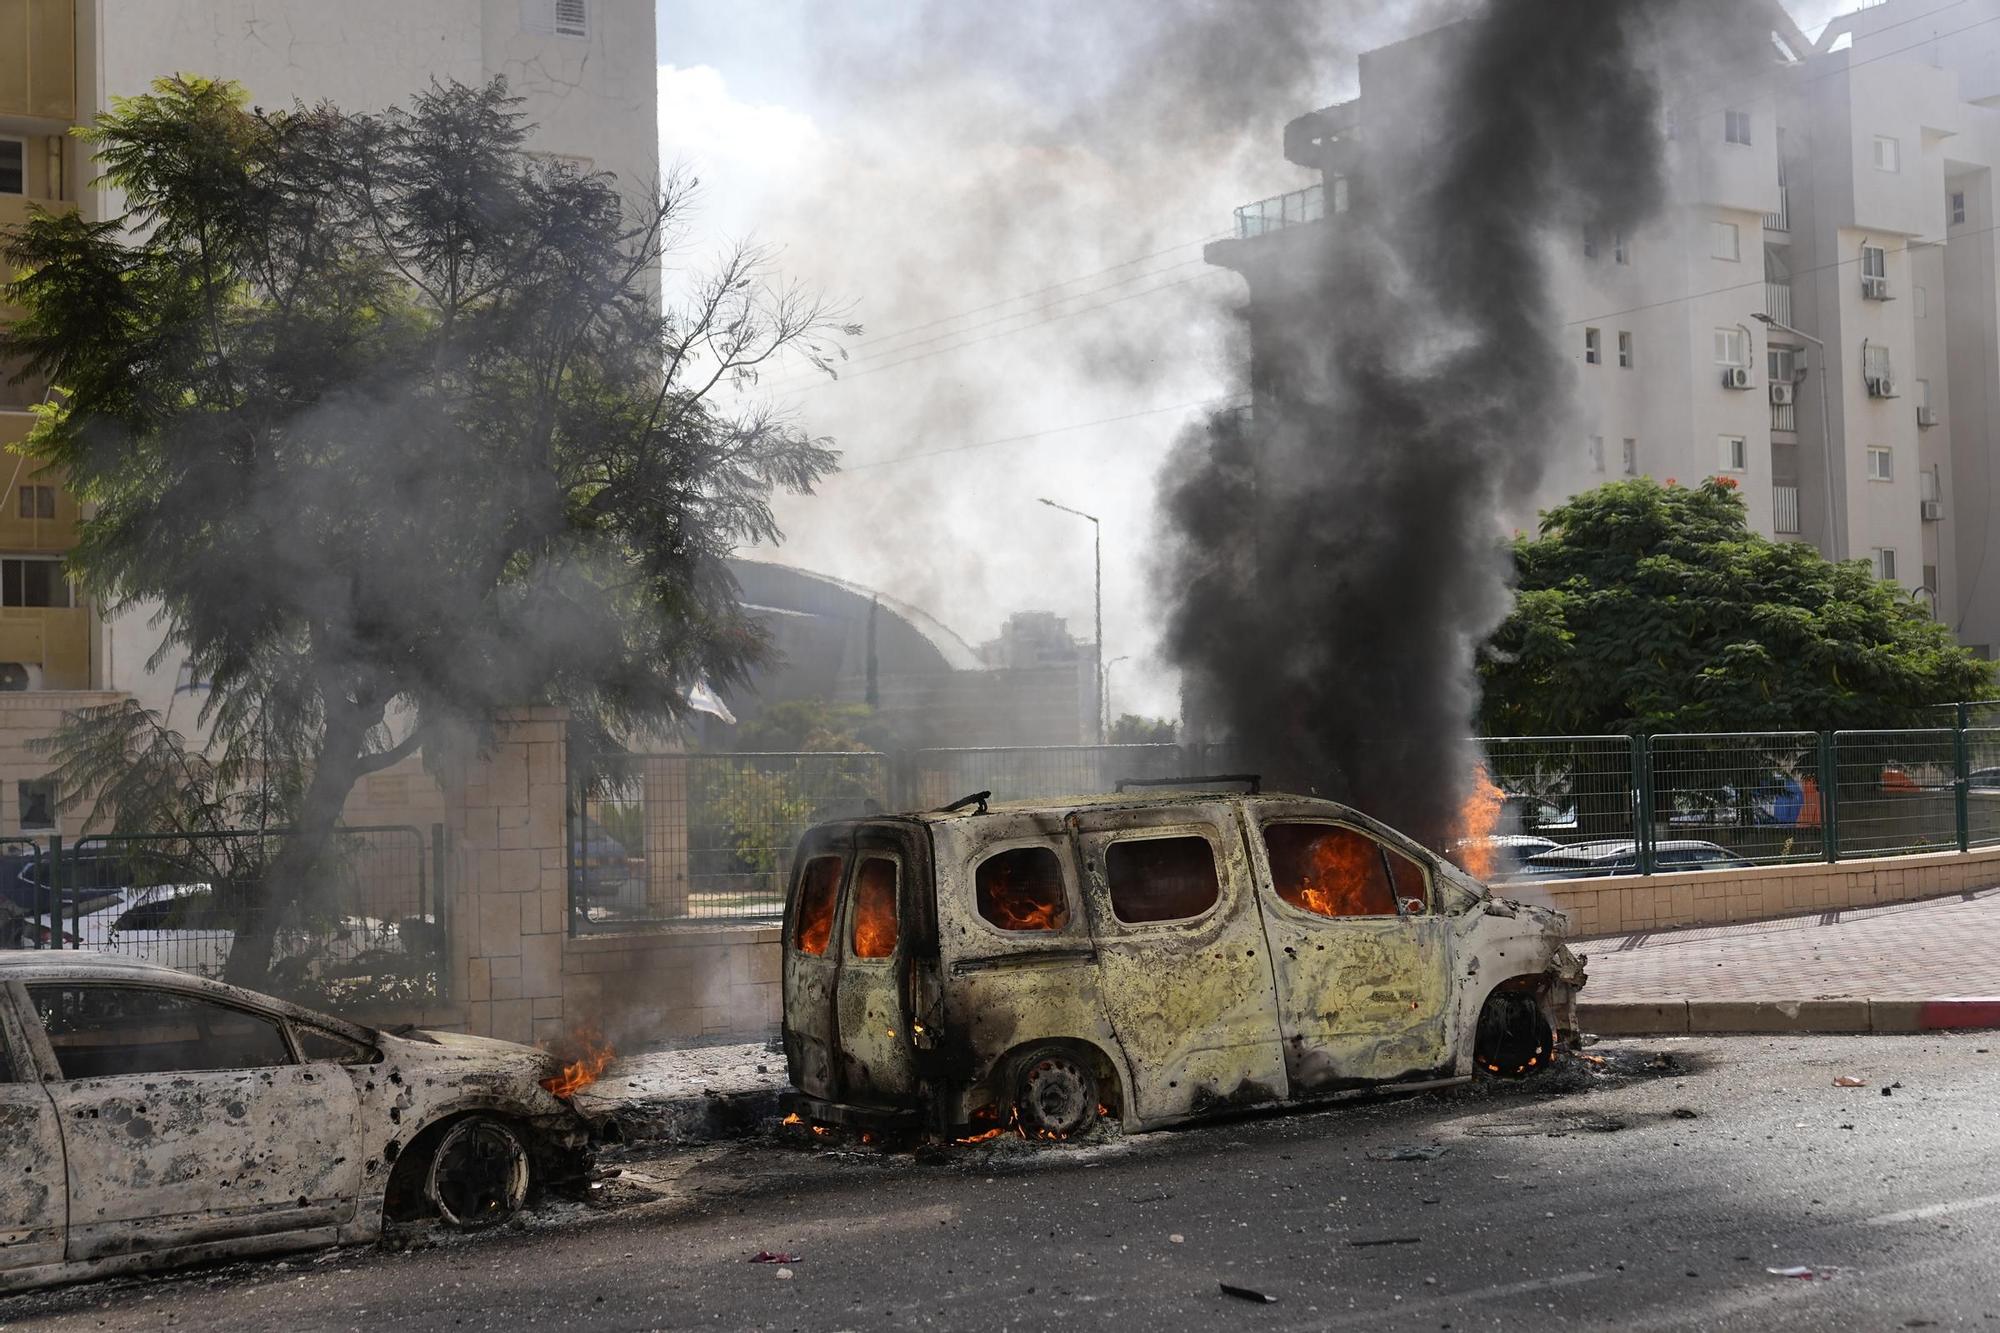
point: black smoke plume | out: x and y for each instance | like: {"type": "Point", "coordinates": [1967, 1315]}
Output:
{"type": "Point", "coordinates": [1340, 557]}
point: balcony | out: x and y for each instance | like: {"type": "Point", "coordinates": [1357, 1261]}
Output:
{"type": "Point", "coordinates": [1778, 301]}
{"type": "Point", "coordinates": [1782, 219]}
{"type": "Point", "coordinates": [1785, 510]}
{"type": "Point", "coordinates": [1785, 416]}
{"type": "Point", "coordinates": [1281, 211]}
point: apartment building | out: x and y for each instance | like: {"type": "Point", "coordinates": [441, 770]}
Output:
{"type": "Point", "coordinates": [1817, 316]}
{"type": "Point", "coordinates": [586, 70]}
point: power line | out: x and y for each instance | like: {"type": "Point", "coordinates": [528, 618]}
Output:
{"type": "Point", "coordinates": [1034, 434]}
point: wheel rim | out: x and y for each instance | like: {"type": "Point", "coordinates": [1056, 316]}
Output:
{"type": "Point", "coordinates": [1058, 1096]}
{"type": "Point", "coordinates": [479, 1174]}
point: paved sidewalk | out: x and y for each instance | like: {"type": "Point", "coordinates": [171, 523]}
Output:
{"type": "Point", "coordinates": [691, 1094]}
{"type": "Point", "coordinates": [1906, 951]}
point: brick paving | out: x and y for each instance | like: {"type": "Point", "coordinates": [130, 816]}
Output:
{"type": "Point", "coordinates": [1933, 949]}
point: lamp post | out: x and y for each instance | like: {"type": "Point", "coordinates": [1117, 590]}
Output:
{"type": "Point", "coordinates": [1836, 542]}
{"type": "Point", "coordinates": [1097, 548]}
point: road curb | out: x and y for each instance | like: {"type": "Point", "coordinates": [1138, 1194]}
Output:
{"type": "Point", "coordinates": [1645, 1018]}
{"type": "Point", "coordinates": [707, 1117]}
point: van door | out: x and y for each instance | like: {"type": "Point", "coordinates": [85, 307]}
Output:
{"type": "Point", "coordinates": [874, 1002]}
{"type": "Point", "coordinates": [1363, 961]}
{"type": "Point", "coordinates": [34, 1191]}
{"type": "Point", "coordinates": [1182, 964]}
{"type": "Point", "coordinates": [811, 974]}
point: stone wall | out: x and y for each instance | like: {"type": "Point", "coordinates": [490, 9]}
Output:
{"type": "Point", "coordinates": [1717, 897]}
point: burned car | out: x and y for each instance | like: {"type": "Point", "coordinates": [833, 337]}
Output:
{"type": "Point", "coordinates": [1147, 958]}
{"type": "Point", "coordinates": [151, 1118]}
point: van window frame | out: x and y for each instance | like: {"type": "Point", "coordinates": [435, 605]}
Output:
{"type": "Point", "coordinates": [1270, 884]}
{"type": "Point", "coordinates": [1073, 898]}
{"type": "Point", "coordinates": [1108, 838]}
{"type": "Point", "coordinates": [848, 900]}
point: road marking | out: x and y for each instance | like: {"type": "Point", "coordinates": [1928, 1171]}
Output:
{"type": "Point", "coordinates": [1934, 1210]}
{"type": "Point", "coordinates": [1397, 1309]}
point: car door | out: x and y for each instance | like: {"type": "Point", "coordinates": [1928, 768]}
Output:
{"type": "Point", "coordinates": [877, 1050]}
{"type": "Point", "coordinates": [34, 1196]}
{"type": "Point", "coordinates": [187, 1118]}
{"type": "Point", "coordinates": [1363, 961]}
{"type": "Point", "coordinates": [811, 975]}
{"type": "Point", "coordinates": [1182, 965]}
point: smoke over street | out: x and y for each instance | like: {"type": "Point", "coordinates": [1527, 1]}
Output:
{"type": "Point", "coordinates": [1336, 561]}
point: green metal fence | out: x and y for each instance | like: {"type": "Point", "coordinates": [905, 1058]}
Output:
{"type": "Point", "coordinates": [1564, 788]}
{"type": "Point", "coordinates": [1897, 791]}
{"type": "Point", "coordinates": [1756, 794]}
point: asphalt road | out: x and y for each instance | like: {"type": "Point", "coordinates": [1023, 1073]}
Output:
{"type": "Point", "coordinates": [1590, 1201]}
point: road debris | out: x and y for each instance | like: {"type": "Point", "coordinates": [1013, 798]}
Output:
{"type": "Point", "coordinates": [1247, 1294]}
{"type": "Point", "coordinates": [1804, 1273]}
{"type": "Point", "coordinates": [1849, 1081]}
{"type": "Point", "coordinates": [1386, 1240]}
{"type": "Point", "coordinates": [1686, 1113]}
{"type": "Point", "coordinates": [1408, 1153]}
{"type": "Point", "coordinates": [773, 1257]}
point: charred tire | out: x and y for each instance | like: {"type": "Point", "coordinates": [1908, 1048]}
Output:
{"type": "Point", "coordinates": [475, 1172]}
{"type": "Point", "coordinates": [1055, 1093]}
{"type": "Point", "coordinates": [1515, 1039]}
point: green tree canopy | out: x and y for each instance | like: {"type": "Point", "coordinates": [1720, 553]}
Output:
{"type": "Point", "coordinates": [383, 415]}
{"type": "Point", "coordinates": [1650, 608]}
{"type": "Point", "coordinates": [1132, 729]}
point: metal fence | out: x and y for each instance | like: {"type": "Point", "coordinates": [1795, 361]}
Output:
{"type": "Point", "coordinates": [664, 839]}
{"type": "Point", "coordinates": [369, 927]}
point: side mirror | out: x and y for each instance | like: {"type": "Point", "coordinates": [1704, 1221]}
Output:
{"type": "Point", "coordinates": [1415, 907]}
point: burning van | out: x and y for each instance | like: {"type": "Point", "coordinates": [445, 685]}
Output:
{"type": "Point", "coordinates": [1147, 958]}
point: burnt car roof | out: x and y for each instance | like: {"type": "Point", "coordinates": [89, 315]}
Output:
{"type": "Point", "coordinates": [29, 966]}
{"type": "Point", "coordinates": [1150, 799]}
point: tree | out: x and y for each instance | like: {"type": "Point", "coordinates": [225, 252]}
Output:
{"type": "Point", "coordinates": [384, 417]}
{"type": "Point", "coordinates": [812, 726]}
{"type": "Point", "coordinates": [1646, 608]}
{"type": "Point", "coordinates": [1131, 729]}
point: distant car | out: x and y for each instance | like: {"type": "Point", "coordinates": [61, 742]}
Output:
{"type": "Point", "coordinates": [1984, 779]}
{"type": "Point", "coordinates": [600, 867]}
{"type": "Point", "coordinates": [163, 1120]}
{"type": "Point", "coordinates": [1620, 856]}
{"type": "Point", "coordinates": [1500, 854]}
{"type": "Point", "coordinates": [1531, 813]}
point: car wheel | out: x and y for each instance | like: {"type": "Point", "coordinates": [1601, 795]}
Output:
{"type": "Point", "coordinates": [1055, 1094]}
{"type": "Point", "coordinates": [479, 1173]}
{"type": "Point", "coordinates": [1514, 1039]}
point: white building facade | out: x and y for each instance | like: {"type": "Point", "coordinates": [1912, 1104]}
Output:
{"type": "Point", "coordinates": [1831, 241]}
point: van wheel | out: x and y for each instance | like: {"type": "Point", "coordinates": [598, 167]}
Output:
{"type": "Point", "coordinates": [1514, 1039]}
{"type": "Point", "coordinates": [479, 1173]}
{"type": "Point", "coordinates": [1055, 1094]}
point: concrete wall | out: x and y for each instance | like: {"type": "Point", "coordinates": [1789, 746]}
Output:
{"type": "Point", "coordinates": [29, 716]}
{"type": "Point", "coordinates": [1718, 897]}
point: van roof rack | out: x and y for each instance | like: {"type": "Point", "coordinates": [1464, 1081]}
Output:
{"type": "Point", "coordinates": [1252, 783]}
{"type": "Point", "coordinates": [978, 798]}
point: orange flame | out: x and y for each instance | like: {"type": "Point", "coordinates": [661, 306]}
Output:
{"type": "Point", "coordinates": [1478, 816]}
{"type": "Point", "coordinates": [1012, 901]}
{"type": "Point", "coordinates": [793, 1119]}
{"type": "Point", "coordinates": [816, 899]}
{"type": "Point", "coordinates": [1329, 871]}
{"type": "Point", "coordinates": [875, 909]}
{"type": "Point", "coordinates": [594, 1056]}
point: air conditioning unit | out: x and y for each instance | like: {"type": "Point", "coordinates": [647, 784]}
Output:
{"type": "Point", "coordinates": [1932, 510]}
{"type": "Point", "coordinates": [1881, 386]}
{"type": "Point", "coordinates": [17, 676]}
{"type": "Point", "coordinates": [1781, 394]}
{"type": "Point", "coordinates": [1927, 416]}
{"type": "Point", "coordinates": [1736, 377]}
{"type": "Point", "coordinates": [1875, 289]}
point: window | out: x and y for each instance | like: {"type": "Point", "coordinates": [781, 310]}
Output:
{"type": "Point", "coordinates": [1735, 451]}
{"type": "Point", "coordinates": [1624, 349]}
{"type": "Point", "coordinates": [1333, 871]}
{"type": "Point", "coordinates": [1888, 154]}
{"type": "Point", "coordinates": [1885, 563]}
{"type": "Point", "coordinates": [1589, 243]}
{"type": "Point", "coordinates": [1931, 579]}
{"type": "Point", "coordinates": [1923, 399]}
{"type": "Point", "coordinates": [1620, 252]}
{"type": "Point", "coordinates": [1631, 458]}
{"type": "Point", "coordinates": [556, 18]}
{"type": "Point", "coordinates": [1339, 195]}
{"type": "Point", "coordinates": [1881, 464]}
{"type": "Point", "coordinates": [1784, 363]}
{"type": "Point", "coordinates": [317, 1045]}
{"type": "Point", "coordinates": [1736, 127]}
{"type": "Point", "coordinates": [1958, 208]}
{"type": "Point", "coordinates": [1732, 347]}
{"type": "Point", "coordinates": [37, 797]}
{"type": "Point", "coordinates": [1022, 889]}
{"type": "Point", "coordinates": [1928, 489]}
{"type": "Point", "coordinates": [1161, 879]}
{"type": "Point", "coordinates": [1874, 262]}
{"type": "Point", "coordinates": [1875, 363]}
{"type": "Point", "coordinates": [28, 581]}
{"type": "Point", "coordinates": [1920, 303]}
{"type": "Point", "coordinates": [1593, 346]}
{"type": "Point", "coordinates": [38, 502]}
{"type": "Point", "coordinates": [103, 1031]}
{"type": "Point", "coordinates": [874, 909]}
{"type": "Point", "coordinates": [1723, 242]}
{"type": "Point", "coordinates": [1597, 453]}
{"type": "Point", "coordinates": [819, 888]}
{"type": "Point", "coordinates": [13, 166]}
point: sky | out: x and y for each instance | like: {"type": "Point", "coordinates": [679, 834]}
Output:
{"type": "Point", "coordinates": [1013, 201]}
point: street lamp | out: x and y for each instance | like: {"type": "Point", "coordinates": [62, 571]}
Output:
{"type": "Point", "coordinates": [1835, 538]}
{"type": "Point", "coordinates": [1097, 547]}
